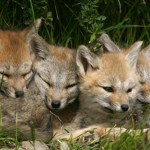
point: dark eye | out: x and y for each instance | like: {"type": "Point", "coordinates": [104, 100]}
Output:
{"type": "Point", "coordinates": [142, 82]}
{"type": "Point", "coordinates": [129, 90]}
{"type": "Point", "coordinates": [26, 74]}
{"type": "Point", "coordinates": [49, 84]}
{"type": "Point", "coordinates": [108, 89]}
{"type": "Point", "coordinates": [4, 74]}
{"type": "Point", "coordinates": [71, 85]}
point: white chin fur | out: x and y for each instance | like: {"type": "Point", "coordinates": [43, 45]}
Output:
{"type": "Point", "coordinates": [11, 95]}
{"type": "Point", "coordinates": [71, 101]}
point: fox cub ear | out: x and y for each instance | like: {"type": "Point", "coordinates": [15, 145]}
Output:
{"type": "Point", "coordinates": [85, 59]}
{"type": "Point", "coordinates": [146, 52]}
{"type": "Point", "coordinates": [33, 28]}
{"type": "Point", "coordinates": [132, 53]}
{"type": "Point", "coordinates": [39, 47]}
{"type": "Point", "coordinates": [107, 44]}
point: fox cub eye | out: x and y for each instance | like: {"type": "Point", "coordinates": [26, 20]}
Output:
{"type": "Point", "coordinates": [108, 89]}
{"type": "Point", "coordinates": [4, 74]}
{"type": "Point", "coordinates": [142, 82]}
{"type": "Point", "coordinates": [71, 85]}
{"type": "Point", "coordinates": [129, 90]}
{"type": "Point", "coordinates": [25, 74]}
{"type": "Point", "coordinates": [50, 85]}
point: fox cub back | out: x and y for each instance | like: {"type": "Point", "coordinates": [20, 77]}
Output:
{"type": "Point", "coordinates": [16, 60]}
{"type": "Point", "coordinates": [56, 74]}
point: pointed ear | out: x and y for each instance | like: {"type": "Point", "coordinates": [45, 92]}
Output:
{"type": "Point", "coordinates": [33, 28]}
{"type": "Point", "coordinates": [39, 47]}
{"type": "Point", "coordinates": [85, 59]}
{"type": "Point", "coordinates": [132, 54]}
{"type": "Point", "coordinates": [146, 51]}
{"type": "Point", "coordinates": [107, 44]}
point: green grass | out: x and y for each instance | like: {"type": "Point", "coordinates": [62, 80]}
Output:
{"type": "Point", "coordinates": [125, 142]}
{"type": "Point", "coordinates": [6, 141]}
{"type": "Point", "coordinates": [71, 23]}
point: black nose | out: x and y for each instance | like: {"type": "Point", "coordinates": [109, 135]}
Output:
{"type": "Point", "coordinates": [19, 93]}
{"type": "Point", "coordinates": [55, 104]}
{"type": "Point", "coordinates": [124, 107]}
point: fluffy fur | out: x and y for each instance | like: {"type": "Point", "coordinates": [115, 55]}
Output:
{"type": "Point", "coordinates": [109, 87]}
{"type": "Point", "coordinates": [16, 60]}
{"type": "Point", "coordinates": [26, 115]}
{"type": "Point", "coordinates": [56, 74]}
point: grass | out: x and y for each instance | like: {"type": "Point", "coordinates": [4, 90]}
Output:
{"type": "Point", "coordinates": [71, 23]}
{"type": "Point", "coordinates": [125, 142]}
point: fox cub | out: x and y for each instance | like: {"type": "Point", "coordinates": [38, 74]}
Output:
{"type": "Point", "coordinates": [28, 112]}
{"type": "Point", "coordinates": [56, 74]}
{"type": "Point", "coordinates": [142, 67]}
{"type": "Point", "coordinates": [109, 87]}
{"type": "Point", "coordinates": [26, 115]}
{"type": "Point", "coordinates": [57, 80]}
{"type": "Point", "coordinates": [141, 111]}
{"type": "Point", "coordinates": [16, 60]}
{"type": "Point", "coordinates": [55, 87]}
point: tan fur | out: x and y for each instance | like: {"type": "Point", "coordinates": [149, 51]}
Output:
{"type": "Point", "coordinates": [25, 113]}
{"type": "Point", "coordinates": [108, 91]}
{"type": "Point", "coordinates": [16, 60]}
{"type": "Point", "coordinates": [12, 46]}
{"type": "Point", "coordinates": [61, 53]}
{"type": "Point", "coordinates": [56, 74]}
{"type": "Point", "coordinates": [57, 80]}
{"type": "Point", "coordinates": [143, 69]}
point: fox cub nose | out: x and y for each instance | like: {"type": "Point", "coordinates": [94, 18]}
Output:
{"type": "Point", "coordinates": [19, 93]}
{"type": "Point", "coordinates": [124, 107]}
{"type": "Point", "coordinates": [55, 104]}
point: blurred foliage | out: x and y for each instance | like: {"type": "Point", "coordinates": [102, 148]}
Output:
{"type": "Point", "coordinates": [71, 23]}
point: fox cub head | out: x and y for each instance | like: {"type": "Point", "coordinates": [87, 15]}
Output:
{"type": "Point", "coordinates": [16, 60]}
{"type": "Point", "coordinates": [56, 75]}
{"type": "Point", "coordinates": [108, 83]}
{"type": "Point", "coordinates": [142, 67]}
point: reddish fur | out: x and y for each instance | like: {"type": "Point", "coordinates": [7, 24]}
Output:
{"type": "Point", "coordinates": [62, 53]}
{"type": "Point", "coordinates": [13, 48]}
